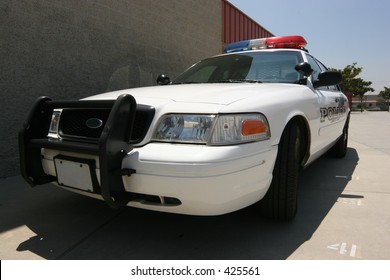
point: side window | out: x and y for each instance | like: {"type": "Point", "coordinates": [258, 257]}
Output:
{"type": "Point", "coordinates": [314, 65]}
{"type": "Point", "coordinates": [318, 67]}
{"type": "Point", "coordinates": [324, 68]}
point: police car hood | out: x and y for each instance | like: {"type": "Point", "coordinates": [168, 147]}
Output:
{"type": "Point", "coordinates": [218, 94]}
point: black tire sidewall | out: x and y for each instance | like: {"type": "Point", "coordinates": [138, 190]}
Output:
{"type": "Point", "coordinates": [280, 201]}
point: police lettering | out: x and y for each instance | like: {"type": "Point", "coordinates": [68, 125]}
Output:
{"type": "Point", "coordinates": [332, 113]}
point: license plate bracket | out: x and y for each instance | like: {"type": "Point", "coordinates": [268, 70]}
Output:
{"type": "Point", "coordinates": [76, 173]}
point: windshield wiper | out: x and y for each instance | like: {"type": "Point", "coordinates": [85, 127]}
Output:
{"type": "Point", "coordinates": [237, 81]}
{"type": "Point", "coordinates": [221, 81]}
{"type": "Point", "coordinates": [184, 83]}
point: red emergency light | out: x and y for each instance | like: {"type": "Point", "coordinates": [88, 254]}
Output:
{"type": "Point", "coordinates": [290, 42]}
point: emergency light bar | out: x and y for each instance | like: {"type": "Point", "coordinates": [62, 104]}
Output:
{"type": "Point", "coordinates": [282, 42]}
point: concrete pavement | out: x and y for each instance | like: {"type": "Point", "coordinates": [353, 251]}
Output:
{"type": "Point", "coordinates": [343, 214]}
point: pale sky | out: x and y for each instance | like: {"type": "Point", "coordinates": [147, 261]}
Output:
{"type": "Point", "coordinates": [338, 32]}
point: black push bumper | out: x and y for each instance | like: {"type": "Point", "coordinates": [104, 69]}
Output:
{"type": "Point", "coordinates": [113, 144]}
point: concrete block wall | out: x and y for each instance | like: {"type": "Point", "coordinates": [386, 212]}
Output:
{"type": "Point", "coordinates": [69, 49]}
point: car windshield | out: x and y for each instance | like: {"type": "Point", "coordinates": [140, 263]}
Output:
{"type": "Point", "coordinates": [253, 67]}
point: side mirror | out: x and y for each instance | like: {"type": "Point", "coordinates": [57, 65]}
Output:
{"type": "Point", "coordinates": [304, 68]}
{"type": "Point", "coordinates": [328, 78]}
{"type": "Point", "coordinates": [163, 80]}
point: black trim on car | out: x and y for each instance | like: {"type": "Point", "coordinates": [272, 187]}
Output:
{"type": "Point", "coordinates": [113, 144]}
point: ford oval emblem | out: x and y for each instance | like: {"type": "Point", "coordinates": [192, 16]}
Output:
{"type": "Point", "coordinates": [94, 123]}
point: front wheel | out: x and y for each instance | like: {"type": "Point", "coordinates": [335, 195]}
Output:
{"type": "Point", "coordinates": [280, 202]}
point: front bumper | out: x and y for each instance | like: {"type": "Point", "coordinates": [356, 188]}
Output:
{"type": "Point", "coordinates": [190, 179]}
{"type": "Point", "coordinates": [176, 178]}
{"type": "Point", "coordinates": [206, 180]}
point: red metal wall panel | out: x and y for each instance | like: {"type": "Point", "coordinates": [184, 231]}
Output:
{"type": "Point", "coordinates": [237, 26]}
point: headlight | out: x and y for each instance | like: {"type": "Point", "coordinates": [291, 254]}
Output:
{"type": "Point", "coordinates": [184, 128]}
{"type": "Point", "coordinates": [212, 129]}
{"type": "Point", "coordinates": [55, 120]}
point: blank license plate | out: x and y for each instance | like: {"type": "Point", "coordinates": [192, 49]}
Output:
{"type": "Point", "coordinates": [74, 174]}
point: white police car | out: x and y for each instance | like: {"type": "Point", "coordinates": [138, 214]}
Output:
{"type": "Point", "coordinates": [231, 131]}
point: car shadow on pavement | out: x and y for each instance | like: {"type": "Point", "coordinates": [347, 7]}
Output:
{"type": "Point", "coordinates": [69, 226]}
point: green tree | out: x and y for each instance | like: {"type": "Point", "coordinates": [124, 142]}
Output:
{"type": "Point", "coordinates": [361, 87]}
{"type": "Point", "coordinates": [385, 94]}
{"type": "Point", "coordinates": [352, 84]}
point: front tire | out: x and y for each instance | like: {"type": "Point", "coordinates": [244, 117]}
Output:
{"type": "Point", "coordinates": [280, 202]}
